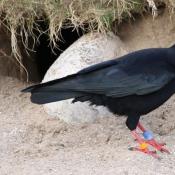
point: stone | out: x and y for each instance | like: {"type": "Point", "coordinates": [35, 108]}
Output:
{"type": "Point", "coordinates": [88, 50]}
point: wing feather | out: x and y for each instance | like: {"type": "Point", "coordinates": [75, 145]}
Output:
{"type": "Point", "coordinates": [120, 84]}
{"type": "Point", "coordinates": [114, 81]}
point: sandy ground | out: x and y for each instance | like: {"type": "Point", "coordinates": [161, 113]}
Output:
{"type": "Point", "coordinates": [33, 143]}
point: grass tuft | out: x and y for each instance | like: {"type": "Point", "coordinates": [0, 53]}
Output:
{"type": "Point", "coordinates": [21, 17]}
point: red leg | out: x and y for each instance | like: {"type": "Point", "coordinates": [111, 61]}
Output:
{"type": "Point", "coordinates": [143, 145]}
{"type": "Point", "coordinates": [158, 146]}
{"type": "Point", "coordinates": [152, 142]}
{"type": "Point", "coordinates": [141, 127]}
{"type": "Point", "coordinates": [146, 151]}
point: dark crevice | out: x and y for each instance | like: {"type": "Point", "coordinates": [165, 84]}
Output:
{"type": "Point", "coordinates": [46, 55]}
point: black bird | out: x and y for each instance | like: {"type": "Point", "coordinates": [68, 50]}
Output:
{"type": "Point", "coordinates": [132, 85]}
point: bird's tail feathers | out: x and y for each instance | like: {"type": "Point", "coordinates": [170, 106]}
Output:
{"type": "Point", "coordinates": [52, 91]}
{"type": "Point", "coordinates": [48, 85]}
{"type": "Point", "coordinates": [49, 97]}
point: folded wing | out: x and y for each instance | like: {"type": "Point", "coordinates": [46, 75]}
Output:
{"type": "Point", "coordinates": [113, 82]}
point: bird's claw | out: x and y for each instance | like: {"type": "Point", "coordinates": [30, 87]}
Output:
{"type": "Point", "coordinates": [158, 146]}
{"type": "Point", "coordinates": [144, 148]}
{"type": "Point", "coordinates": [147, 140]}
{"type": "Point", "coordinates": [146, 151]}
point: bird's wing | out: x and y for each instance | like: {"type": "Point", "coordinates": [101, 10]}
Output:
{"type": "Point", "coordinates": [112, 81]}
{"type": "Point", "coordinates": [134, 74]}
{"type": "Point", "coordinates": [117, 83]}
{"type": "Point", "coordinates": [139, 85]}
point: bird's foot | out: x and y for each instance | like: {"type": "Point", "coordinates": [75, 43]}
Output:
{"type": "Point", "coordinates": [157, 146]}
{"type": "Point", "coordinates": [148, 137]}
{"type": "Point", "coordinates": [145, 150]}
{"type": "Point", "coordinates": [144, 143]}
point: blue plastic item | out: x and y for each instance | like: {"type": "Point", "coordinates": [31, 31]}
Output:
{"type": "Point", "coordinates": [148, 135]}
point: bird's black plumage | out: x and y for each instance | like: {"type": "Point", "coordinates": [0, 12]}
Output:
{"type": "Point", "coordinates": [131, 85]}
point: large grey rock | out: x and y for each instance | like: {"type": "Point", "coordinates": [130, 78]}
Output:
{"type": "Point", "coordinates": [88, 50]}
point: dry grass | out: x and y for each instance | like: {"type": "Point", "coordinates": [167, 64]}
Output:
{"type": "Point", "coordinates": [21, 16]}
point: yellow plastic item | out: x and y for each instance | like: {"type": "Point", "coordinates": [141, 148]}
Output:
{"type": "Point", "coordinates": [143, 145]}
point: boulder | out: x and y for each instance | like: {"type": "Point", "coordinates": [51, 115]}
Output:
{"type": "Point", "coordinates": [88, 50]}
